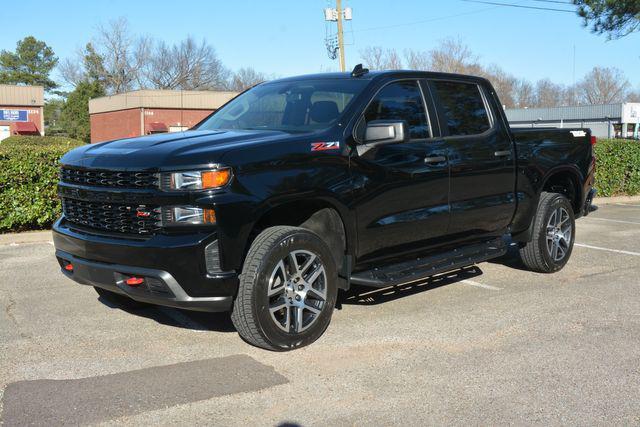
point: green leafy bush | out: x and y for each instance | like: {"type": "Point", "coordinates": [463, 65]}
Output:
{"type": "Point", "coordinates": [617, 167]}
{"type": "Point", "coordinates": [28, 178]}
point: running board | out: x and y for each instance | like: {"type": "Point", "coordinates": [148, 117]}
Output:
{"type": "Point", "coordinates": [422, 268]}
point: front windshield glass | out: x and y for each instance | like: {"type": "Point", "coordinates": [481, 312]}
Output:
{"type": "Point", "coordinates": [293, 106]}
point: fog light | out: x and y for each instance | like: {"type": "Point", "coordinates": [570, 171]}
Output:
{"type": "Point", "coordinates": [68, 267]}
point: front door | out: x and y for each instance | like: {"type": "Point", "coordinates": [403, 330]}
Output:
{"type": "Point", "coordinates": [481, 159]}
{"type": "Point", "coordinates": [403, 203]}
{"type": "Point", "coordinates": [5, 132]}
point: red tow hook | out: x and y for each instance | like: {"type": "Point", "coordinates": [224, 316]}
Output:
{"type": "Point", "coordinates": [69, 267]}
{"type": "Point", "coordinates": [134, 281]}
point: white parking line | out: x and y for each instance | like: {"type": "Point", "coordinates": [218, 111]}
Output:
{"type": "Point", "coordinates": [480, 285]}
{"type": "Point", "coordinates": [607, 249]}
{"type": "Point", "coordinates": [613, 220]}
{"type": "Point", "coordinates": [627, 205]}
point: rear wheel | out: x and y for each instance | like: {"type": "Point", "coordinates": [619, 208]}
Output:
{"type": "Point", "coordinates": [553, 235]}
{"type": "Point", "coordinates": [120, 300]}
{"type": "Point", "coordinates": [288, 289]}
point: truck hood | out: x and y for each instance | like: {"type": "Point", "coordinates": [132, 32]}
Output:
{"type": "Point", "coordinates": [168, 150]}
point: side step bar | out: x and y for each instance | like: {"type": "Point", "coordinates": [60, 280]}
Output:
{"type": "Point", "coordinates": [422, 268]}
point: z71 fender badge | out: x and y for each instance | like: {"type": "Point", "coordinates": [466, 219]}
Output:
{"type": "Point", "coordinates": [323, 146]}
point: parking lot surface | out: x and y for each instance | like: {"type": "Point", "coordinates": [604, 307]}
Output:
{"type": "Point", "coordinates": [494, 345]}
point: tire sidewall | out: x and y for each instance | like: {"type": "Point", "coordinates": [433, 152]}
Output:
{"type": "Point", "coordinates": [302, 239]}
{"type": "Point", "coordinates": [556, 202]}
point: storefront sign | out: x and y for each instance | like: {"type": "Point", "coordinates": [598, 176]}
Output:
{"type": "Point", "coordinates": [13, 115]}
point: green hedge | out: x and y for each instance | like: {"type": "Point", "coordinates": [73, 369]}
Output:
{"type": "Point", "coordinates": [617, 167]}
{"type": "Point", "coordinates": [29, 173]}
{"type": "Point", "coordinates": [28, 177]}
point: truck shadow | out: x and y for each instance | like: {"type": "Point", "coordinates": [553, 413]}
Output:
{"type": "Point", "coordinates": [185, 319]}
{"type": "Point", "coordinates": [362, 295]}
{"type": "Point", "coordinates": [511, 259]}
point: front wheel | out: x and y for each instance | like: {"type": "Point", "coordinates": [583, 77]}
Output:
{"type": "Point", "coordinates": [553, 235]}
{"type": "Point", "coordinates": [287, 290]}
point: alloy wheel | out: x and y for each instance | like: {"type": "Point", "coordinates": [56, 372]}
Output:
{"type": "Point", "coordinates": [559, 232]}
{"type": "Point", "coordinates": [297, 291]}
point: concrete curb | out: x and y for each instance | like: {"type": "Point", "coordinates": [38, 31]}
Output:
{"type": "Point", "coordinates": [616, 199]}
{"type": "Point", "coordinates": [25, 237]}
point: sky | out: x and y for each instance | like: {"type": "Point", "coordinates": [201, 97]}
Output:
{"type": "Point", "coordinates": [286, 37]}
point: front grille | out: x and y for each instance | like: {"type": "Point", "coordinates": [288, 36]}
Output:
{"type": "Point", "coordinates": [107, 178]}
{"type": "Point", "coordinates": [131, 219]}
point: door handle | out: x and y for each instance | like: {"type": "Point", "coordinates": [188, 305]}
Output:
{"type": "Point", "coordinates": [435, 159]}
{"type": "Point", "coordinates": [502, 153]}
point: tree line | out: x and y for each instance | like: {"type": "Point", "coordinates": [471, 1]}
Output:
{"type": "Point", "coordinates": [601, 85]}
{"type": "Point", "coordinates": [117, 60]}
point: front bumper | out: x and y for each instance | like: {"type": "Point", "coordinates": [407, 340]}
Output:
{"type": "Point", "coordinates": [173, 267]}
{"type": "Point", "coordinates": [159, 287]}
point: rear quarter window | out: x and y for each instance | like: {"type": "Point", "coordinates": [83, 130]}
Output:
{"type": "Point", "coordinates": [464, 109]}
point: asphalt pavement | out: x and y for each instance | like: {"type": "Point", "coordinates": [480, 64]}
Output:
{"type": "Point", "coordinates": [493, 345]}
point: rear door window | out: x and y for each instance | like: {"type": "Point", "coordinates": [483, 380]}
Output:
{"type": "Point", "coordinates": [401, 101]}
{"type": "Point", "coordinates": [464, 109]}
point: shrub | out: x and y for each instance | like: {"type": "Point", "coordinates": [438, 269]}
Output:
{"type": "Point", "coordinates": [617, 167]}
{"type": "Point", "coordinates": [28, 178]}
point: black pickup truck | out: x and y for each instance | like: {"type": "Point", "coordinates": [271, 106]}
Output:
{"type": "Point", "coordinates": [303, 186]}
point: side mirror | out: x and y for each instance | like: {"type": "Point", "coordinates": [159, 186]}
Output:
{"type": "Point", "coordinates": [382, 132]}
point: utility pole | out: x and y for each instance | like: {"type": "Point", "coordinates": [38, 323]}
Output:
{"type": "Point", "coordinates": [340, 34]}
{"type": "Point", "coordinates": [335, 42]}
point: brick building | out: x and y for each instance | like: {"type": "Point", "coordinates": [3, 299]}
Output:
{"type": "Point", "coordinates": [21, 110]}
{"type": "Point", "coordinates": [143, 112]}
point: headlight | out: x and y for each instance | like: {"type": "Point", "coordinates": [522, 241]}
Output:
{"type": "Point", "coordinates": [187, 215]}
{"type": "Point", "coordinates": [196, 180]}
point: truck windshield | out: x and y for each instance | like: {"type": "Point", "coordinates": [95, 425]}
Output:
{"type": "Point", "coordinates": [293, 106]}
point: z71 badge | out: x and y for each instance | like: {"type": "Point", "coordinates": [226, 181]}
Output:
{"type": "Point", "coordinates": [323, 146]}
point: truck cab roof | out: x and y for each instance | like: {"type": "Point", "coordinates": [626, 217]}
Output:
{"type": "Point", "coordinates": [377, 75]}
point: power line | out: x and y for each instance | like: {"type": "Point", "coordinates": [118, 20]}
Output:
{"type": "Point", "coordinates": [520, 6]}
{"type": "Point", "coordinates": [423, 21]}
{"type": "Point", "coordinates": [568, 3]}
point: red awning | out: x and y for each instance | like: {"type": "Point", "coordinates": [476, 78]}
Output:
{"type": "Point", "coordinates": [158, 127]}
{"type": "Point", "coordinates": [26, 127]}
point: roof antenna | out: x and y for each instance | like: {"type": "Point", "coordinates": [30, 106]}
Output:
{"type": "Point", "coordinates": [358, 71]}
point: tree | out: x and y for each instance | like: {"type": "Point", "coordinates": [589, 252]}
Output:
{"type": "Point", "coordinates": [30, 64]}
{"type": "Point", "coordinates": [115, 59]}
{"type": "Point", "coordinates": [377, 58]}
{"type": "Point", "coordinates": [548, 94]}
{"type": "Point", "coordinates": [634, 96]}
{"type": "Point", "coordinates": [188, 65]}
{"type": "Point", "coordinates": [52, 113]}
{"type": "Point", "coordinates": [416, 60]}
{"type": "Point", "coordinates": [603, 86]}
{"type": "Point", "coordinates": [75, 112]}
{"type": "Point", "coordinates": [90, 68]}
{"type": "Point", "coordinates": [452, 56]}
{"type": "Point", "coordinates": [617, 18]}
{"type": "Point", "coordinates": [524, 94]}
{"type": "Point", "coordinates": [245, 78]}
{"type": "Point", "coordinates": [503, 82]}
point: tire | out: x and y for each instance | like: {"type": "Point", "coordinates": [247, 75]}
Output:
{"type": "Point", "coordinates": [120, 300]}
{"type": "Point", "coordinates": [288, 274]}
{"type": "Point", "coordinates": [554, 228]}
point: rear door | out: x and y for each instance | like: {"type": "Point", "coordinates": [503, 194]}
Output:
{"type": "Point", "coordinates": [403, 202]}
{"type": "Point", "coordinates": [481, 159]}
